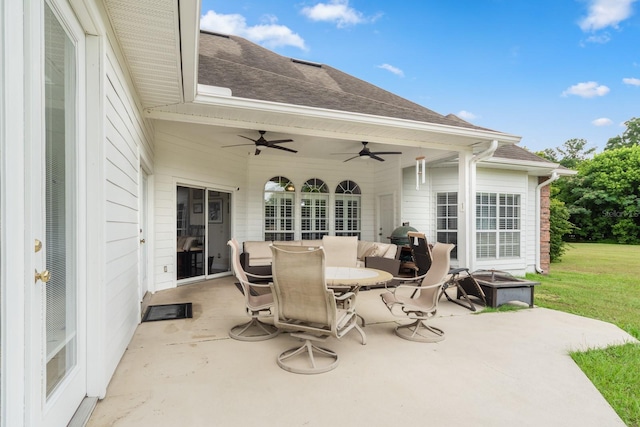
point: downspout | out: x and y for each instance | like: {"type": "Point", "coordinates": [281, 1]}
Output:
{"type": "Point", "coordinates": [554, 176]}
{"type": "Point", "coordinates": [471, 224]}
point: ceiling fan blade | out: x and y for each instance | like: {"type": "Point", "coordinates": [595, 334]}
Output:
{"type": "Point", "coordinates": [246, 137]}
{"type": "Point", "coordinates": [351, 158]}
{"type": "Point", "coordinates": [278, 141]}
{"type": "Point", "coordinates": [283, 148]}
{"type": "Point", "coordinates": [386, 152]}
{"type": "Point", "coordinates": [235, 145]}
{"type": "Point", "coordinates": [373, 156]}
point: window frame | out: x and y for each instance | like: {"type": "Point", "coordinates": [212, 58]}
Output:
{"type": "Point", "coordinates": [498, 225]}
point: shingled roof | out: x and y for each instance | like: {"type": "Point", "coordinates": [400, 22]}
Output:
{"type": "Point", "coordinates": [515, 152]}
{"type": "Point", "coordinates": [253, 72]}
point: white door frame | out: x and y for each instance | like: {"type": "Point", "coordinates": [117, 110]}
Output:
{"type": "Point", "coordinates": [13, 250]}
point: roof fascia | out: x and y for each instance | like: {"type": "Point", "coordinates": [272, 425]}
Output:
{"type": "Point", "coordinates": [531, 166]}
{"type": "Point", "coordinates": [354, 117]}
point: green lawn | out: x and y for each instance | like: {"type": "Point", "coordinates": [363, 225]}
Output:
{"type": "Point", "coordinates": [602, 281]}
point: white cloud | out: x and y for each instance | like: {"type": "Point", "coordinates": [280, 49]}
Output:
{"type": "Point", "coordinates": [270, 34]}
{"type": "Point", "coordinates": [337, 11]}
{"type": "Point", "coordinates": [392, 69]}
{"type": "Point", "coordinates": [466, 115]}
{"type": "Point", "coordinates": [631, 81]}
{"type": "Point", "coordinates": [606, 13]}
{"type": "Point", "coordinates": [587, 90]}
{"type": "Point", "coordinates": [602, 121]}
{"type": "Point", "coordinates": [599, 38]}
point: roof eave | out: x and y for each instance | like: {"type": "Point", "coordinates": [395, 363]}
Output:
{"type": "Point", "coordinates": [217, 102]}
{"type": "Point", "coordinates": [541, 168]}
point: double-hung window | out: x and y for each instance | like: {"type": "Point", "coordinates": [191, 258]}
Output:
{"type": "Point", "coordinates": [498, 222]}
{"type": "Point", "coordinates": [447, 220]}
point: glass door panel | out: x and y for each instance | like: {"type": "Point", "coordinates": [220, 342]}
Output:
{"type": "Point", "coordinates": [60, 125]}
{"type": "Point", "coordinates": [190, 232]}
{"type": "Point", "coordinates": [219, 231]}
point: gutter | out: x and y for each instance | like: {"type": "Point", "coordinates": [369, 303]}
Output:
{"type": "Point", "coordinates": [554, 177]}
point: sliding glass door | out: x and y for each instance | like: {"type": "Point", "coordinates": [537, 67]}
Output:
{"type": "Point", "coordinates": [203, 227]}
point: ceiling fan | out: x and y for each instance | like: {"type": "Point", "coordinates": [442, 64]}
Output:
{"type": "Point", "coordinates": [261, 142]}
{"type": "Point", "coordinates": [365, 152]}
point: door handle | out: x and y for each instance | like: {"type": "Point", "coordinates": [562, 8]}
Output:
{"type": "Point", "coordinates": [143, 241]}
{"type": "Point", "coordinates": [44, 276]}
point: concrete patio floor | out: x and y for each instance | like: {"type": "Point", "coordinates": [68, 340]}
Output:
{"type": "Point", "coordinates": [493, 369]}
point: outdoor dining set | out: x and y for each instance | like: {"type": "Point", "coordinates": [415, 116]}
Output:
{"type": "Point", "coordinates": [312, 291]}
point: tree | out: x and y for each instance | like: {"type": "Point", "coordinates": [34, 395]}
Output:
{"type": "Point", "coordinates": [629, 138]}
{"type": "Point", "coordinates": [604, 199]}
{"type": "Point", "coordinates": [559, 226]}
{"type": "Point", "coordinates": [573, 152]}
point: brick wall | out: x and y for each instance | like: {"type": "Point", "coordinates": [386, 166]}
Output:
{"type": "Point", "coordinates": [545, 239]}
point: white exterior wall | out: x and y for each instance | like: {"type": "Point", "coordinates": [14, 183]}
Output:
{"type": "Point", "coordinates": [127, 134]}
{"type": "Point", "coordinates": [184, 157]}
{"type": "Point", "coordinates": [417, 205]}
{"type": "Point", "coordinates": [488, 180]}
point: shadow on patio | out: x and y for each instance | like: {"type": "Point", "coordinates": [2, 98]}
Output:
{"type": "Point", "coordinates": [493, 369]}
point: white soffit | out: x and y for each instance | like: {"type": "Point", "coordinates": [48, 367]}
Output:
{"type": "Point", "coordinates": [252, 114]}
{"type": "Point", "coordinates": [148, 32]}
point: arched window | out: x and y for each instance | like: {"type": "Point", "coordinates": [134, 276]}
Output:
{"type": "Point", "coordinates": [314, 209]}
{"type": "Point", "coordinates": [279, 199]}
{"type": "Point", "coordinates": [348, 209]}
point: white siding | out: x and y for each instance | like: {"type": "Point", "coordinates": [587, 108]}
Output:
{"type": "Point", "coordinates": [417, 208]}
{"type": "Point", "coordinates": [184, 157]}
{"type": "Point", "coordinates": [126, 135]}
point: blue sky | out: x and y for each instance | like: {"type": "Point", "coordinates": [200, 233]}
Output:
{"type": "Point", "coordinates": [546, 70]}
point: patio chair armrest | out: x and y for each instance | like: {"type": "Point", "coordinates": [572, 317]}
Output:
{"type": "Point", "coordinates": [257, 276]}
{"type": "Point", "coordinates": [259, 285]}
{"type": "Point", "coordinates": [344, 296]}
{"type": "Point", "coordinates": [346, 300]}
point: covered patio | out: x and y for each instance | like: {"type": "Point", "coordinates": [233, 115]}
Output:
{"type": "Point", "coordinates": [498, 369]}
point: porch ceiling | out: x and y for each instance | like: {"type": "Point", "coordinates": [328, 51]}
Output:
{"type": "Point", "coordinates": [149, 36]}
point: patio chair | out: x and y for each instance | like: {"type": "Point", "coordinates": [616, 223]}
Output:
{"type": "Point", "coordinates": [420, 302]}
{"type": "Point", "coordinates": [258, 301]}
{"type": "Point", "coordinates": [340, 251]}
{"type": "Point", "coordinates": [308, 309]}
